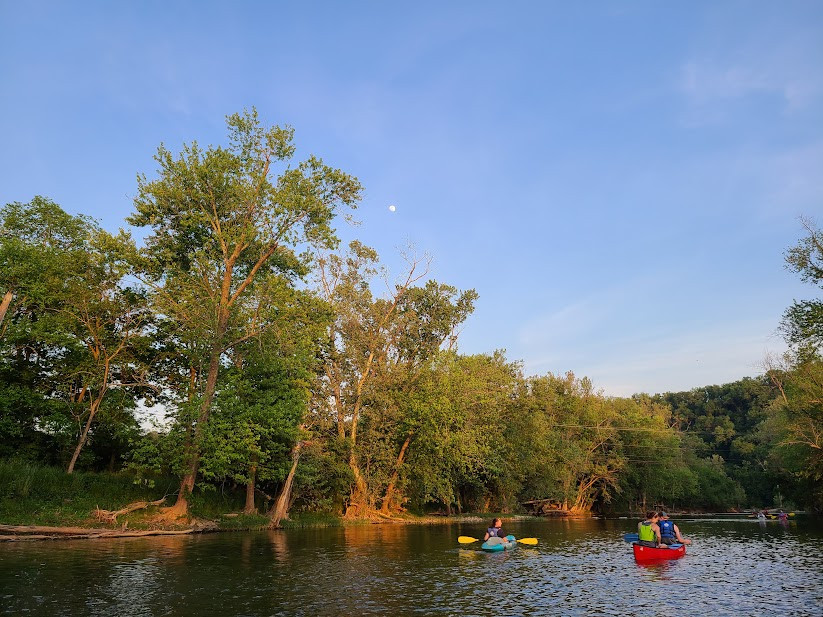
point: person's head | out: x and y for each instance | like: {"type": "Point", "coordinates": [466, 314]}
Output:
{"type": "Point", "coordinates": [496, 522]}
{"type": "Point", "coordinates": [651, 515]}
{"type": "Point", "coordinates": [663, 515]}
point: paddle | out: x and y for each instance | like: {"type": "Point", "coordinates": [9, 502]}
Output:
{"type": "Point", "coordinates": [469, 540]}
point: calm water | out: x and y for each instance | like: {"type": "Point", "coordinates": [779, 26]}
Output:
{"type": "Point", "coordinates": [580, 567]}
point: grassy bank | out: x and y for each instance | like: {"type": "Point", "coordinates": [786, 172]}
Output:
{"type": "Point", "coordinates": [33, 494]}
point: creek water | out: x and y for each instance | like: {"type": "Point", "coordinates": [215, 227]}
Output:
{"type": "Point", "coordinates": [580, 567]}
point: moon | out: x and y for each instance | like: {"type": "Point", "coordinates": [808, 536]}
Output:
{"type": "Point", "coordinates": [392, 208]}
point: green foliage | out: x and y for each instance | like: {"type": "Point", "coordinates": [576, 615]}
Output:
{"type": "Point", "coordinates": [227, 225]}
{"type": "Point", "coordinates": [797, 414]}
{"type": "Point", "coordinates": [802, 322]}
{"type": "Point", "coordinates": [323, 477]}
{"type": "Point", "coordinates": [72, 337]}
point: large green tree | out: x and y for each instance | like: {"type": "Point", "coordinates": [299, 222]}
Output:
{"type": "Point", "coordinates": [221, 220]}
{"type": "Point", "coordinates": [798, 411]}
{"type": "Point", "coordinates": [73, 326]}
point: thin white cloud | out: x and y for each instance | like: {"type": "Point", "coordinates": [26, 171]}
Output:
{"type": "Point", "coordinates": [789, 70]}
{"type": "Point", "coordinates": [699, 356]}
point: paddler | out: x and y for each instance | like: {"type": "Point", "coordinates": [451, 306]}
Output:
{"type": "Point", "coordinates": [669, 532]}
{"type": "Point", "coordinates": [648, 532]}
{"type": "Point", "coordinates": [494, 531]}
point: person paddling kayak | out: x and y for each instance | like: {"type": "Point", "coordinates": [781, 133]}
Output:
{"type": "Point", "coordinates": [495, 530]}
{"type": "Point", "coordinates": [669, 533]}
{"type": "Point", "coordinates": [648, 532]}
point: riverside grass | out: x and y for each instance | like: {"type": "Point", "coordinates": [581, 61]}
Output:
{"type": "Point", "coordinates": [35, 494]}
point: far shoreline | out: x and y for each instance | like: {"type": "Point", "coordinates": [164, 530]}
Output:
{"type": "Point", "coordinates": [146, 528]}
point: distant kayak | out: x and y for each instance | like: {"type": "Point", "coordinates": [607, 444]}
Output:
{"type": "Point", "coordinates": [494, 545]}
{"type": "Point", "coordinates": [648, 553]}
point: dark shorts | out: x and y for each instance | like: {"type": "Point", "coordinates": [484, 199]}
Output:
{"type": "Point", "coordinates": [667, 540]}
{"type": "Point", "coordinates": [647, 543]}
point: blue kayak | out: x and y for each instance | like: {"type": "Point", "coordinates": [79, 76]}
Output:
{"type": "Point", "coordinates": [494, 545]}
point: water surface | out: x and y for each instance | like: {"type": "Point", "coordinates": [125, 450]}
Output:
{"type": "Point", "coordinates": [580, 567]}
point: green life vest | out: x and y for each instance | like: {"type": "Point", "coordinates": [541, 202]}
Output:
{"type": "Point", "coordinates": [645, 532]}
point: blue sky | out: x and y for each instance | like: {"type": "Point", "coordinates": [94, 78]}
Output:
{"type": "Point", "coordinates": [618, 182]}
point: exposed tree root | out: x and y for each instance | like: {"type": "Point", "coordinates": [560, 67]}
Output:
{"type": "Point", "coordinates": [173, 514]}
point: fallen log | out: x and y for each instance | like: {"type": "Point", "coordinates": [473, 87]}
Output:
{"type": "Point", "coordinates": [110, 516]}
{"type": "Point", "coordinates": [17, 533]}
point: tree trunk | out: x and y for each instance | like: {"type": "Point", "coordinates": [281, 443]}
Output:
{"type": "Point", "coordinates": [250, 509]}
{"type": "Point", "coordinates": [387, 498]}
{"type": "Point", "coordinates": [95, 405]}
{"type": "Point", "coordinates": [180, 509]}
{"type": "Point", "coordinates": [281, 506]}
{"type": "Point", "coordinates": [4, 305]}
{"type": "Point", "coordinates": [359, 500]}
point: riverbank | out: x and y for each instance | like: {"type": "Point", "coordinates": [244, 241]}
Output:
{"type": "Point", "coordinates": [40, 502]}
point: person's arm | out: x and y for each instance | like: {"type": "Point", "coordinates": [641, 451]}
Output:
{"type": "Point", "coordinates": [680, 538]}
{"type": "Point", "coordinates": [486, 537]}
{"type": "Point", "coordinates": [656, 529]}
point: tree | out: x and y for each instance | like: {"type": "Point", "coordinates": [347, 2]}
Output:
{"type": "Point", "coordinates": [798, 376]}
{"type": "Point", "coordinates": [39, 244]}
{"type": "Point", "coordinates": [39, 247]}
{"type": "Point", "coordinates": [222, 220]}
{"type": "Point", "coordinates": [357, 340]}
{"type": "Point", "coordinates": [73, 320]}
{"type": "Point", "coordinates": [460, 411]}
{"type": "Point", "coordinates": [376, 351]}
{"type": "Point", "coordinates": [263, 400]}
{"type": "Point", "coordinates": [106, 344]}
{"type": "Point", "coordinates": [802, 323]}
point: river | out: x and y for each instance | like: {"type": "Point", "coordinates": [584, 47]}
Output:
{"type": "Point", "coordinates": [580, 567]}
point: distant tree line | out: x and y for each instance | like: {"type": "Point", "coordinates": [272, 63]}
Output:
{"type": "Point", "coordinates": [284, 371]}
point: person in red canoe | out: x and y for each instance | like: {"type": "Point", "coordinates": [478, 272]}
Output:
{"type": "Point", "coordinates": [648, 532]}
{"type": "Point", "coordinates": [495, 530]}
{"type": "Point", "coordinates": [669, 532]}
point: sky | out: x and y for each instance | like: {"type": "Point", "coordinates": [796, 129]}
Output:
{"type": "Point", "coordinates": [618, 181]}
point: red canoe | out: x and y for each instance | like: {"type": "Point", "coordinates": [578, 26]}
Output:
{"type": "Point", "coordinates": [648, 553]}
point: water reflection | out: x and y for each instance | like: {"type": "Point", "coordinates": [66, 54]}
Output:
{"type": "Point", "coordinates": [579, 567]}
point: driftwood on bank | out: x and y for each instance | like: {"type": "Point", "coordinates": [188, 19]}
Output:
{"type": "Point", "coordinates": [545, 507]}
{"type": "Point", "coordinates": [13, 533]}
{"type": "Point", "coordinates": [110, 516]}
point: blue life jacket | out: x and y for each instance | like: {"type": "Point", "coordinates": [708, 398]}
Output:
{"type": "Point", "coordinates": [493, 531]}
{"type": "Point", "coordinates": [666, 529]}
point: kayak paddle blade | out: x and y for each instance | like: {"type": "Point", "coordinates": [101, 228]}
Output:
{"type": "Point", "coordinates": [466, 540]}
{"type": "Point", "coordinates": [527, 540]}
